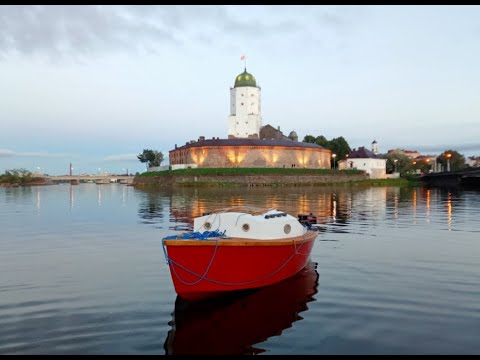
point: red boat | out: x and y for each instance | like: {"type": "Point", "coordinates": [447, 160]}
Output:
{"type": "Point", "coordinates": [237, 249]}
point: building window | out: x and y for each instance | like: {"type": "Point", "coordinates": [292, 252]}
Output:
{"type": "Point", "coordinates": [253, 104]}
{"type": "Point", "coordinates": [241, 104]}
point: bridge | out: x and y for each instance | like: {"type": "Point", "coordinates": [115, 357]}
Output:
{"type": "Point", "coordinates": [99, 179]}
{"type": "Point", "coordinates": [467, 178]}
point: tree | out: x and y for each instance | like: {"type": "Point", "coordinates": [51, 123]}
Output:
{"type": "Point", "coordinates": [404, 163]}
{"type": "Point", "coordinates": [151, 157]}
{"type": "Point", "coordinates": [322, 141]}
{"type": "Point", "coordinates": [157, 161]}
{"type": "Point", "coordinates": [16, 176]}
{"type": "Point", "coordinates": [309, 139]}
{"type": "Point", "coordinates": [146, 157]}
{"type": "Point", "coordinates": [340, 147]}
{"type": "Point", "coordinates": [319, 140]}
{"type": "Point", "coordinates": [457, 160]}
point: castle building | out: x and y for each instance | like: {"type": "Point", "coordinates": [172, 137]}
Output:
{"type": "Point", "coordinates": [249, 143]}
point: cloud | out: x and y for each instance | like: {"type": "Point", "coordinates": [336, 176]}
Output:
{"type": "Point", "coordinates": [10, 153]}
{"type": "Point", "coordinates": [73, 29]}
{"type": "Point", "coordinates": [6, 153]}
{"type": "Point", "coordinates": [123, 157]}
{"type": "Point", "coordinates": [85, 30]}
{"type": "Point", "coordinates": [440, 148]}
{"type": "Point", "coordinates": [130, 157]}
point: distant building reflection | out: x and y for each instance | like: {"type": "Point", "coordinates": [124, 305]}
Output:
{"type": "Point", "coordinates": [335, 208]}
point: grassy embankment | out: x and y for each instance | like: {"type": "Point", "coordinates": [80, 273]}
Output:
{"type": "Point", "coordinates": [282, 171]}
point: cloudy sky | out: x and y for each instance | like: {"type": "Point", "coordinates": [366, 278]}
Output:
{"type": "Point", "coordinates": [95, 85]}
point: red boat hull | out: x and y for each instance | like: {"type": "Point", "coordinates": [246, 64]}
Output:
{"type": "Point", "coordinates": [204, 268]}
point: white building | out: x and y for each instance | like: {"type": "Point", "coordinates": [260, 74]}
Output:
{"type": "Point", "coordinates": [473, 161]}
{"type": "Point", "coordinates": [366, 160]}
{"type": "Point", "coordinates": [245, 120]}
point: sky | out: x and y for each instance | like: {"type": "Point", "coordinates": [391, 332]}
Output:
{"type": "Point", "coordinates": [94, 85]}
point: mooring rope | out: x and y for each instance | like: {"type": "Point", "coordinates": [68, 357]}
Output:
{"type": "Point", "coordinates": [208, 237]}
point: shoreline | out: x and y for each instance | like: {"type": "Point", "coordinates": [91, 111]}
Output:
{"type": "Point", "coordinates": [263, 180]}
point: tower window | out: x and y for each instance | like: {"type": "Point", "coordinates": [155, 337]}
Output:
{"type": "Point", "coordinates": [241, 104]}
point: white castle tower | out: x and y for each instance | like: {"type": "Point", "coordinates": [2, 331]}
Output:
{"type": "Point", "coordinates": [375, 147]}
{"type": "Point", "coordinates": [245, 104]}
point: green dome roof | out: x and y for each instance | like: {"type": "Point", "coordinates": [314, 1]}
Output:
{"type": "Point", "coordinates": [245, 79]}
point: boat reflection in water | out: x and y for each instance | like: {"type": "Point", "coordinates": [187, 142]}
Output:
{"type": "Point", "coordinates": [233, 323]}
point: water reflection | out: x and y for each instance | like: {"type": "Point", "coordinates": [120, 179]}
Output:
{"type": "Point", "coordinates": [72, 198]}
{"type": "Point", "coordinates": [152, 206]}
{"type": "Point", "coordinates": [336, 208]}
{"type": "Point", "coordinates": [38, 198]}
{"type": "Point", "coordinates": [233, 325]}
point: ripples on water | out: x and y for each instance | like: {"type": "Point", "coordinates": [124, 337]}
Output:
{"type": "Point", "coordinates": [393, 271]}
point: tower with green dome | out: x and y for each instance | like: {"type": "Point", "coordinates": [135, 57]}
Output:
{"type": "Point", "coordinates": [245, 79]}
{"type": "Point", "coordinates": [245, 118]}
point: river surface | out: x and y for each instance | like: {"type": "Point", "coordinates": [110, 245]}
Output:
{"type": "Point", "coordinates": [393, 271]}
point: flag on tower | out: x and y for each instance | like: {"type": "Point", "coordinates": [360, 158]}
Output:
{"type": "Point", "coordinates": [243, 57]}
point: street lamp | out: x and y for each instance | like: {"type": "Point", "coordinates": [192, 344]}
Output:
{"type": "Point", "coordinates": [334, 156]}
{"type": "Point", "coordinates": [395, 162]}
{"type": "Point", "coordinates": [448, 156]}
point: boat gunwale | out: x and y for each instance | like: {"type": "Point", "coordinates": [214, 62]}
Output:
{"type": "Point", "coordinates": [310, 235]}
{"type": "Point", "coordinates": [251, 210]}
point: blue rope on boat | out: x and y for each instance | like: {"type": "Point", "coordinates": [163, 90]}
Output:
{"type": "Point", "coordinates": [197, 235]}
{"type": "Point", "coordinates": [206, 235]}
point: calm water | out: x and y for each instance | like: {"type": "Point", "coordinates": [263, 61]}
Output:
{"type": "Point", "coordinates": [393, 271]}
